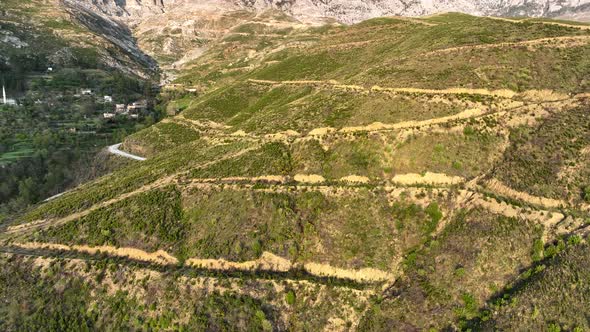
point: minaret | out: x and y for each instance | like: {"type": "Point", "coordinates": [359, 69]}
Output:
{"type": "Point", "coordinates": [3, 95]}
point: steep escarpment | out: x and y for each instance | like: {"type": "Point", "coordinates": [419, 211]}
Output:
{"type": "Point", "coordinates": [116, 33]}
{"type": "Point", "coordinates": [62, 27]}
{"type": "Point", "coordinates": [121, 9]}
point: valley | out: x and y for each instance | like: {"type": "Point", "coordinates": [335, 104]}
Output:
{"type": "Point", "coordinates": [64, 82]}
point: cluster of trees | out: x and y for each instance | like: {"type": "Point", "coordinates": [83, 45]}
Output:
{"type": "Point", "coordinates": [53, 135]}
{"type": "Point", "coordinates": [42, 174]}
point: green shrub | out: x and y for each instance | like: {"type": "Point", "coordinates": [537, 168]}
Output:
{"type": "Point", "coordinates": [538, 248]}
{"type": "Point", "coordinates": [435, 216]}
{"type": "Point", "coordinates": [468, 131]}
{"type": "Point", "coordinates": [574, 240]}
{"type": "Point", "coordinates": [290, 297]}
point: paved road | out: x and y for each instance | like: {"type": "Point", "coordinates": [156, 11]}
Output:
{"type": "Point", "coordinates": [54, 197]}
{"type": "Point", "coordinates": [114, 149]}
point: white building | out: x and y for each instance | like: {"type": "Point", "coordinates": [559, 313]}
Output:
{"type": "Point", "coordinates": [108, 99]}
{"type": "Point", "coordinates": [86, 92]}
{"type": "Point", "coordinates": [7, 101]}
{"type": "Point", "coordinates": [108, 115]}
{"type": "Point", "coordinates": [121, 108]}
{"type": "Point", "coordinates": [137, 106]}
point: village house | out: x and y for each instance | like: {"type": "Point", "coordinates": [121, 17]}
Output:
{"type": "Point", "coordinates": [120, 108]}
{"type": "Point", "coordinates": [108, 99]}
{"type": "Point", "coordinates": [137, 106]}
{"type": "Point", "coordinates": [108, 115]}
{"type": "Point", "coordinates": [10, 102]}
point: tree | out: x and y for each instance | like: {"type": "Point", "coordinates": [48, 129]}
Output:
{"type": "Point", "coordinates": [28, 190]}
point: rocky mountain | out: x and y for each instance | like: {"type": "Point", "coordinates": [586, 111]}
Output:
{"type": "Point", "coordinates": [175, 32]}
{"type": "Point", "coordinates": [346, 11]}
{"type": "Point", "coordinates": [48, 31]}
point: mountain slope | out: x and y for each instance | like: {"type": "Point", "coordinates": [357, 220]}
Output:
{"type": "Point", "coordinates": [38, 35]}
{"type": "Point", "coordinates": [365, 177]}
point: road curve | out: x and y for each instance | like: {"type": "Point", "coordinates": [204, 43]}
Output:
{"type": "Point", "coordinates": [114, 149]}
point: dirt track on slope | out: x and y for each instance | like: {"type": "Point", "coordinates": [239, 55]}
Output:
{"type": "Point", "coordinates": [427, 178]}
{"type": "Point", "coordinates": [352, 87]}
{"type": "Point", "coordinates": [500, 188]}
{"type": "Point", "coordinates": [378, 126]}
{"type": "Point", "coordinates": [158, 257]}
{"type": "Point", "coordinates": [575, 26]}
{"type": "Point", "coordinates": [38, 224]}
{"type": "Point", "coordinates": [267, 262]}
{"type": "Point", "coordinates": [553, 42]}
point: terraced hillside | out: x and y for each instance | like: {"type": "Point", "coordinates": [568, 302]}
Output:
{"type": "Point", "coordinates": [397, 174]}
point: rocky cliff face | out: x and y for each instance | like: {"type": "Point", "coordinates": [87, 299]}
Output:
{"type": "Point", "coordinates": [99, 20]}
{"type": "Point", "coordinates": [351, 11]}
{"type": "Point", "coordinates": [120, 8]}
{"type": "Point", "coordinates": [347, 11]}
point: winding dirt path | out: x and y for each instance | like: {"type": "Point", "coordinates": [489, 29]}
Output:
{"type": "Point", "coordinates": [526, 20]}
{"type": "Point", "coordinates": [267, 262]}
{"type": "Point", "coordinates": [498, 187]}
{"type": "Point", "coordinates": [158, 257]}
{"type": "Point", "coordinates": [427, 178]}
{"type": "Point", "coordinates": [553, 42]}
{"type": "Point", "coordinates": [352, 87]}
{"type": "Point", "coordinates": [39, 224]}
{"type": "Point", "coordinates": [378, 126]}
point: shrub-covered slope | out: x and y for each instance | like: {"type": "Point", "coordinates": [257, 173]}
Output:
{"type": "Point", "coordinates": [396, 174]}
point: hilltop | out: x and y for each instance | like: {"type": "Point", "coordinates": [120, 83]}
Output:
{"type": "Point", "coordinates": [395, 174]}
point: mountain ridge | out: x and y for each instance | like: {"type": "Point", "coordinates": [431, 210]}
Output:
{"type": "Point", "coordinates": [349, 11]}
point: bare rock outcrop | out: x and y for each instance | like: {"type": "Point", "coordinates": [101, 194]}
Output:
{"type": "Point", "coordinates": [347, 11]}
